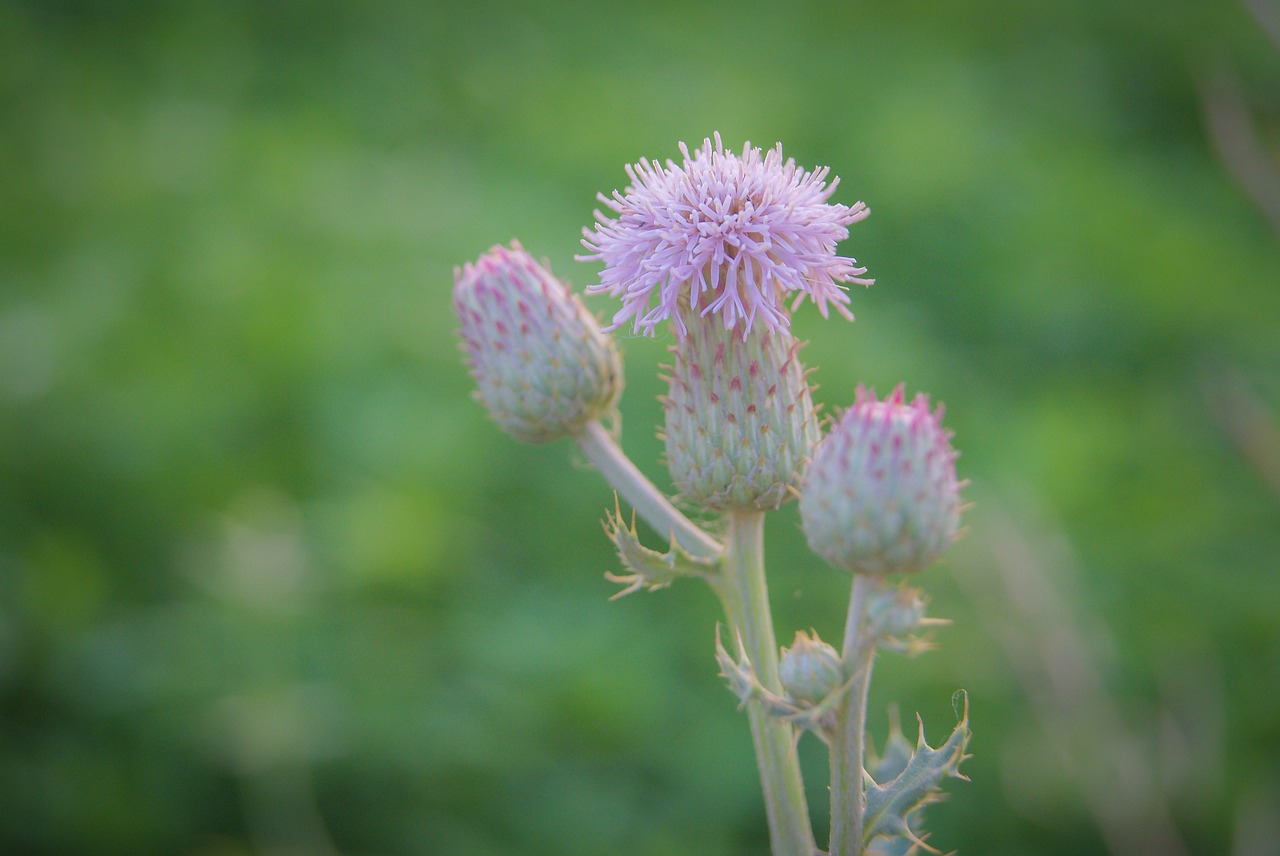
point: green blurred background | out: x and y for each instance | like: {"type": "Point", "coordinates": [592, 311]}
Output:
{"type": "Point", "coordinates": [271, 583]}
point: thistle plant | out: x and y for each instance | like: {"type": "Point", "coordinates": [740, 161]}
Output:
{"type": "Point", "coordinates": [722, 248]}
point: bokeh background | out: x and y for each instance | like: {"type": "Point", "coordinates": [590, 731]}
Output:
{"type": "Point", "coordinates": [271, 583]}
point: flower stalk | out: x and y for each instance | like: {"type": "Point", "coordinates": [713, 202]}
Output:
{"type": "Point", "coordinates": [650, 503]}
{"type": "Point", "coordinates": [744, 593]}
{"type": "Point", "coordinates": [848, 742]}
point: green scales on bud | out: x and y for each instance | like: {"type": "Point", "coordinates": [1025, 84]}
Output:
{"type": "Point", "coordinates": [881, 495]}
{"type": "Point", "coordinates": [740, 420]}
{"type": "Point", "coordinates": [542, 367]}
{"type": "Point", "coordinates": [810, 669]}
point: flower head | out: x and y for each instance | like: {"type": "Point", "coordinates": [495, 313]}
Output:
{"type": "Point", "coordinates": [736, 235]}
{"type": "Point", "coordinates": [739, 416]}
{"type": "Point", "coordinates": [543, 368]}
{"type": "Point", "coordinates": [880, 495]}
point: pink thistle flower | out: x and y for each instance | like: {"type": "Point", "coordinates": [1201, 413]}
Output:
{"type": "Point", "coordinates": [731, 234]}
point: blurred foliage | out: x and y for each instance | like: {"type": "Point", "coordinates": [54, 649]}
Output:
{"type": "Point", "coordinates": [270, 583]}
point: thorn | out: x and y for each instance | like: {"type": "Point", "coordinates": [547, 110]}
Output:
{"type": "Point", "coordinates": [918, 841]}
{"type": "Point", "coordinates": [634, 584]}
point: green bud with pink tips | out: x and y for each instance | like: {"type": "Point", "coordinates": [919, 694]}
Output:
{"type": "Point", "coordinates": [881, 494]}
{"type": "Point", "coordinates": [543, 369]}
{"type": "Point", "coordinates": [740, 419]}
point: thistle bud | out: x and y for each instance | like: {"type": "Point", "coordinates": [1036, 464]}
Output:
{"type": "Point", "coordinates": [810, 669]}
{"type": "Point", "coordinates": [881, 495]}
{"type": "Point", "coordinates": [740, 420]}
{"type": "Point", "coordinates": [542, 367]}
{"type": "Point", "coordinates": [895, 611]}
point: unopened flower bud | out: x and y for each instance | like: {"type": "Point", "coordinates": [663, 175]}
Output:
{"type": "Point", "coordinates": [810, 669]}
{"type": "Point", "coordinates": [542, 367]}
{"type": "Point", "coordinates": [740, 420]}
{"type": "Point", "coordinates": [881, 495]}
{"type": "Point", "coordinates": [896, 611]}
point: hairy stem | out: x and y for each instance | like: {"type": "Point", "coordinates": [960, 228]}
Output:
{"type": "Point", "coordinates": [848, 794]}
{"type": "Point", "coordinates": [746, 601]}
{"type": "Point", "coordinates": [652, 506]}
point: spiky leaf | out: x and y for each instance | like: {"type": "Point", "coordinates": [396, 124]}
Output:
{"type": "Point", "coordinates": [647, 569]}
{"type": "Point", "coordinates": [741, 677]}
{"type": "Point", "coordinates": [889, 764]}
{"type": "Point", "coordinates": [889, 805]}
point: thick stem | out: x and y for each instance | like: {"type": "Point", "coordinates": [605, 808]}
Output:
{"type": "Point", "coordinates": [848, 794]}
{"type": "Point", "coordinates": [654, 508]}
{"type": "Point", "coordinates": [746, 601]}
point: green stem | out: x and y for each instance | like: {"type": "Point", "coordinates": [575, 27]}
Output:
{"type": "Point", "coordinates": [654, 508]}
{"type": "Point", "coordinates": [848, 794]}
{"type": "Point", "coordinates": [746, 601]}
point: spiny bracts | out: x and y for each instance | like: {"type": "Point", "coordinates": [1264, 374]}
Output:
{"type": "Point", "coordinates": [542, 367]}
{"type": "Point", "coordinates": [881, 495]}
{"type": "Point", "coordinates": [740, 419]}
